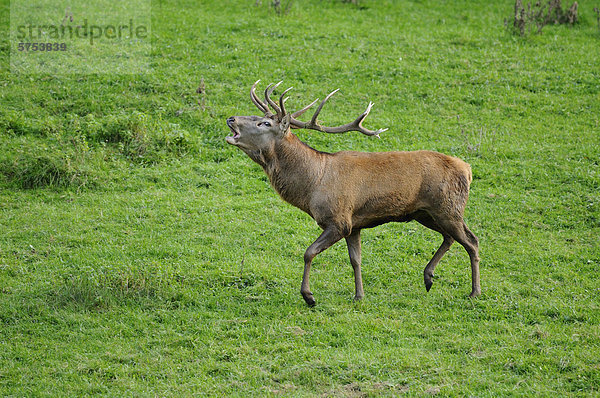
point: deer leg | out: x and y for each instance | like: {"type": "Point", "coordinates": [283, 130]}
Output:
{"type": "Point", "coordinates": [428, 271]}
{"type": "Point", "coordinates": [353, 242]}
{"type": "Point", "coordinates": [327, 238]}
{"type": "Point", "coordinates": [426, 220]}
{"type": "Point", "coordinates": [474, 255]}
{"type": "Point", "coordinates": [463, 235]}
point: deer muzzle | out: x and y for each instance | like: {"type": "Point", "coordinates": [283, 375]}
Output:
{"type": "Point", "coordinates": [232, 139]}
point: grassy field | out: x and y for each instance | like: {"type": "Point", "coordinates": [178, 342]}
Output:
{"type": "Point", "coordinates": [140, 255]}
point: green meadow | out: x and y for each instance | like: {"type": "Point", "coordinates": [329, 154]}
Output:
{"type": "Point", "coordinates": [141, 255]}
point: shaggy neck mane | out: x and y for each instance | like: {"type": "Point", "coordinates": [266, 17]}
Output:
{"type": "Point", "coordinates": [294, 169]}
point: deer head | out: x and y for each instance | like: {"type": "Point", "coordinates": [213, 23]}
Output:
{"type": "Point", "coordinates": [255, 133]}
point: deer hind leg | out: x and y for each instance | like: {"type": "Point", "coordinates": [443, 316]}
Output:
{"type": "Point", "coordinates": [428, 221]}
{"type": "Point", "coordinates": [353, 242]}
{"type": "Point", "coordinates": [463, 235]}
{"type": "Point", "coordinates": [323, 242]}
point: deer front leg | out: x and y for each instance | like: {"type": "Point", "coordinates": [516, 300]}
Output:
{"type": "Point", "coordinates": [353, 242]}
{"type": "Point", "coordinates": [327, 238]}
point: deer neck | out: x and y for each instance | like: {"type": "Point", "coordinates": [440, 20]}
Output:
{"type": "Point", "coordinates": [294, 170]}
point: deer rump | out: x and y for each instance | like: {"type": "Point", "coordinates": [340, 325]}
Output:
{"type": "Point", "coordinates": [348, 191]}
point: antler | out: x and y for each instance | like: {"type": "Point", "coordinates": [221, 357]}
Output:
{"type": "Point", "coordinates": [313, 124]}
{"type": "Point", "coordinates": [259, 104]}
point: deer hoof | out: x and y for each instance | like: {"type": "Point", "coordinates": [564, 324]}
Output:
{"type": "Point", "coordinates": [310, 300]}
{"type": "Point", "coordinates": [475, 293]}
{"type": "Point", "coordinates": [428, 282]}
{"type": "Point", "coordinates": [358, 298]}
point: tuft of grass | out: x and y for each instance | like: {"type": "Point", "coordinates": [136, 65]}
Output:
{"type": "Point", "coordinates": [71, 153]}
{"type": "Point", "coordinates": [30, 163]}
{"type": "Point", "coordinates": [106, 286]}
{"type": "Point", "coordinates": [136, 135]}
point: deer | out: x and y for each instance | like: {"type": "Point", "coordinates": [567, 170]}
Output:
{"type": "Point", "coordinates": [346, 192]}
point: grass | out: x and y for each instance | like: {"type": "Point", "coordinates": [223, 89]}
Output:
{"type": "Point", "coordinates": [140, 255]}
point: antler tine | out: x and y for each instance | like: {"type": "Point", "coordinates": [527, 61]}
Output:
{"type": "Point", "coordinates": [307, 107]}
{"type": "Point", "coordinates": [282, 101]}
{"type": "Point", "coordinates": [259, 104]}
{"type": "Point", "coordinates": [268, 91]}
{"type": "Point", "coordinates": [313, 120]}
{"type": "Point", "coordinates": [361, 118]}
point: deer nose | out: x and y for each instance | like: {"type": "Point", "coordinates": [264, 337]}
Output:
{"type": "Point", "coordinates": [230, 120]}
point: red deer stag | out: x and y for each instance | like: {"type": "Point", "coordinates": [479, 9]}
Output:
{"type": "Point", "coordinates": [345, 192]}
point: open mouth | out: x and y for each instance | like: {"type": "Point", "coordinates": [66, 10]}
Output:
{"type": "Point", "coordinates": [232, 139]}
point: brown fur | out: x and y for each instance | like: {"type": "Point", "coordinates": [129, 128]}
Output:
{"type": "Point", "coordinates": [345, 192]}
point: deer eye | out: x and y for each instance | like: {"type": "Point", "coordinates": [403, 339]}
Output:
{"type": "Point", "coordinates": [267, 124]}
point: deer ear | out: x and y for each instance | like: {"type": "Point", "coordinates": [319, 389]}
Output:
{"type": "Point", "coordinates": [284, 124]}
